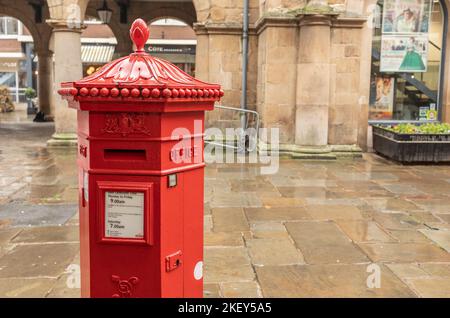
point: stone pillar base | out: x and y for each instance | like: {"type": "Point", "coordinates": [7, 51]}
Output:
{"type": "Point", "coordinates": [63, 140]}
{"type": "Point", "coordinates": [329, 152]}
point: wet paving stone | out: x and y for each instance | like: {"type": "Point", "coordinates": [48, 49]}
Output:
{"type": "Point", "coordinates": [37, 215]}
{"type": "Point", "coordinates": [6, 235]}
{"type": "Point", "coordinates": [207, 223]}
{"type": "Point", "coordinates": [405, 271]}
{"type": "Point", "coordinates": [333, 212]}
{"type": "Point", "coordinates": [444, 217]}
{"type": "Point", "coordinates": [270, 251]}
{"type": "Point", "coordinates": [229, 220]}
{"type": "Point", "coordinates": [48, 234]}
{"type": "Point", "coordinates": [380, 176]}
{"type": "Point", "coordinates": [25, 288]}
{"type": "Point", "coordinates": [241, 290]}
{"type": "Point", "coordinates": [211, 291]}
{"type": "Point", "coordinates": [441, 269]}
{"type": "Point", "coordinates": [280, 202]}
{"type": "Point", "coordinates": [317, 183]}
{"type": "Point", "coordinates": [303, 192]}
{"type": "Point", "coordinates": [351, 176]}
{"type": "Point", "coordinates": [424, 217]}
{"type": "Point", "coordinates": [276, 214]}
{"type": "Point", "coordinates": [37, 260]}
{"type": "Point", "coordinates": [402, 189]}
{"type": "Point", "coordinates": [66, 286]}
{"type": "Point", "coordinates": [324, 243]}
{"type": "Point", "coordinates": [408, 236]}
{"type": "Point", "coordinates": [364, 231]}
{"type": "Point", "coordinates": [223, 239]}
{"type": "Point", "coordinates": [431, 287]}
{"type": "Point", "coordinates": [440, 237]}
{"type": "Point", "coordinates": [271, 230]}
{"type": "Point", "coordinates": [392, 205]}
{"type": "Point", "coordinates": [397, 221]}
{"type": "Point", "coordinates": [327, 281]}
{"type": "Point", "coordinates": [227, 264]}
{"type": "Point", "coordinates": [235, 200]}
{"type": "Point", "coordinates": [433, 205]}
{"type": "Point", "coordinates": [331, 219]}
{"type": "Point", "coordinates": [283, 181]}
{"type": "Point", "coordinates": [252, 186]}
{"type": "Point", "coordinates": [404, 252]}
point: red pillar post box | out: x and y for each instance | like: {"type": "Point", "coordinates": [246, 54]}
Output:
{"type": "Point", "coordinates": [140, 161]}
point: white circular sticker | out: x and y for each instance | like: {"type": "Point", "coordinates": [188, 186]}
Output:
{"type": "Point", "coordinates": [198, 270]}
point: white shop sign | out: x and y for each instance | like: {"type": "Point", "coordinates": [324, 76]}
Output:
{"type": "Point", "coordinates": [124, 214]}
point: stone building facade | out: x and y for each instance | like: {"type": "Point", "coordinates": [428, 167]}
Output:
{"type": "Point", "coordinates": [309, 61]}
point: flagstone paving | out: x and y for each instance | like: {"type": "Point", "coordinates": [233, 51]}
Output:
{"type": "Point", "coordinates": [314, 229]}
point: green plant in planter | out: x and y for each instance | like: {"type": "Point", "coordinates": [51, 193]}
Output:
{"type": "Point", "coordinates": [30, 93]}
{"type": "Point", "coordinates": [427, 128]}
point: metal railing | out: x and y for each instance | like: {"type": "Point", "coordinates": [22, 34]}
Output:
{"type": "Point", "coordinates": [248, 122]}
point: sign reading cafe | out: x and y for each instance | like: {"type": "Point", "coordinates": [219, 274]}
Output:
{"type": "Point", "coordinates": [404, 41]}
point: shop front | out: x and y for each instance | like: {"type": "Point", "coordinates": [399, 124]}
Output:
{"type": "Point", "coordinates": [94, 56]}
{"type": "Point", "coordinates": [408, 61]}
{"type": "Point", "coordinates": [182, 54]}
{"type": "Point", "coordinates": [13, 74]}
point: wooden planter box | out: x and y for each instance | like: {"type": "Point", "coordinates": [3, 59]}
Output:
{"type": "Point", "coordinates": [414, 148]}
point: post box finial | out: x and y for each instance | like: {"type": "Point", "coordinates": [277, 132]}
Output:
{"type": "Point", "coordinates": [139, 34]}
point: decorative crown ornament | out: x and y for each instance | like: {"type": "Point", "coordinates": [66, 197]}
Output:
{"type": "Point", "coordinates": [139, 34]}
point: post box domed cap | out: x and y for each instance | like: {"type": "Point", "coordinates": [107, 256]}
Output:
{"type": "Point", "coordinates": [140, 75]}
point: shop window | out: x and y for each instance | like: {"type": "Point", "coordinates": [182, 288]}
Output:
{"type": "Point", "coordinates": [407, 54]}
{"type": "Point", "coordinates": [8, 79]}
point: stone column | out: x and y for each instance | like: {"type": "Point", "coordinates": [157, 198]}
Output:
{"type": "Point", "coordinates": [201, 53]}
{"type": "Point", "coordinates": [45, 61]}
{"type": "Point", "coordinates": [313, 80]}
{"type": "Point", "coordinates": [67, 67]}
{"type": "Point", "coordinates": [277, 74]}
{"type": "Point", "coordinates": [218, 60]}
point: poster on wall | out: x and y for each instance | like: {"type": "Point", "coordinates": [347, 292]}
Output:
{"type": "Point", "coordinates": [404, 53]}
{"type": "Point", "coordinates": [404, 43]}
{"type": "Point", "coordinates": [406, 16]}
{"type": "Point", "coordinates": [382, 105]}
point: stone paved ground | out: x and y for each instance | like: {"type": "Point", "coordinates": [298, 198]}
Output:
{"type": "Point", "coordinates": [311, 230]}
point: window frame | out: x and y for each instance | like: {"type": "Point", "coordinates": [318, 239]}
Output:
{"type": "Point", "coordinates": [3, 20]}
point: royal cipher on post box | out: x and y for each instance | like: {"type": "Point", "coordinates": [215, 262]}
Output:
{"type": "Point", "coordinates": [141, 173]}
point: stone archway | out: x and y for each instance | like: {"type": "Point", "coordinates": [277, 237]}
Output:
{"type": "Point", "coordinates": [148, 11]}
{"type": "Point", "coordinates": [41, 33]}
{"type": "Point", "coordinates": [185, 13]}
{"type": "Point", "coordinates": [218, 26]}
{"type": "Point", "coordinates": [120, 31]}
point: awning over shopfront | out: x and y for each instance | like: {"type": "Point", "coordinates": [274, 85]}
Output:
{"type": "Point", "coordinates": [96, 54]}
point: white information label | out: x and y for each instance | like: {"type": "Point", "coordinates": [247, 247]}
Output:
{"type": "Point", "coordinates": [124, 214]}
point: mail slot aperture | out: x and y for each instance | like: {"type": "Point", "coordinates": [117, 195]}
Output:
{"type": "Point", "coordinates": [125, 154]}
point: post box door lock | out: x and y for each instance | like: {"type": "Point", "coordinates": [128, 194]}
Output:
{"type": "Point", "coordinates": [173, 261]}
